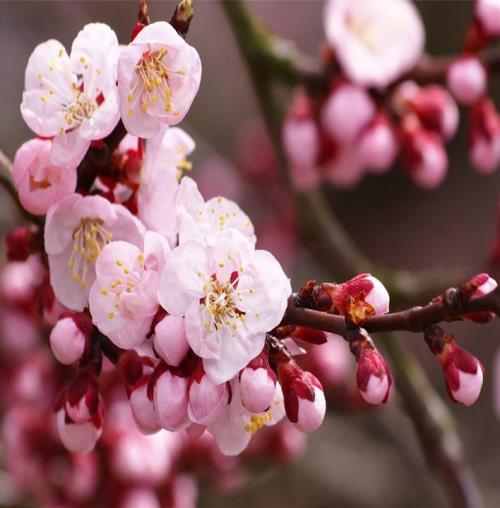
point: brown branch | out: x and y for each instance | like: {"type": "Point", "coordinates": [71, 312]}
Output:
{"type": "Point", "coordinates": [415, 319]}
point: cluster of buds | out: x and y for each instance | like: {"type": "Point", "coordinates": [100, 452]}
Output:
{"type": "Point", "coordinates": [367, 117]}
{"type": "Point", "coordinates": [356, 299]}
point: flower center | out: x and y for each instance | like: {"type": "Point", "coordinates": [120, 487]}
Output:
{"type": "Point", "coordinates": [81, 108]}
{"type": "Point", "coordinates": [88, 240]}
{"type": "Point", "coordinates": [154, 75]}
{"type": "Point", "coordinates": [363, 30]}
{"type": "Point", "coordinates": [257, 421]}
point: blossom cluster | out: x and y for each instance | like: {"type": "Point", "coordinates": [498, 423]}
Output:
{"type": "Point", "coordinates": [373, 109]}
{"type": "Point", "coordinates": [139, 266]}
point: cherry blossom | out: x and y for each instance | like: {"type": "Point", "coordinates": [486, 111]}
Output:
{"type": "Point", "coordinates": [76, 230]}
{"type": "Point", "coordinates": [123, 299]}
{"type": "Point", "coordinates": [73, 98]}
{"type": "Point", "coordinates": [230, 295]}
{"type": "Point", "coordinates": [158, 77]}
{"type": "Point", "coordinates": [40, 183]}
{"type": "Point", "coordinates": [375, 42]}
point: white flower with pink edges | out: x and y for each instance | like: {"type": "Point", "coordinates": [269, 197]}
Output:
{"type": "Point", "coordinates": [76, 230]}
{"type": "Point", "coordinates": [158, 77]}
{"type": "Point", "coordinates": [230, 294]}
{"type": "Point", "coordinates": [375, 41]}
{"type": "Point", "coordinates": [73, 98]}
{"type": "Point", "coordinates": [123, 299]}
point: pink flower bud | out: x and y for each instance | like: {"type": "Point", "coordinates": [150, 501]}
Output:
{"type": "Point", "coordinates": [423, 154]}
{"type": "Point", "coordinates": [348, 109]}
{"type": "Point", "coordinates": [463, 374]}
{"type": "Point", "coordinates": [378, 145]}
{"type": "Point", "coordinates": [206, 399]}
{"type": "Point", "coordinates": [484, 284]}
{"type": "Point", "coordinates": [361, 295]}
{"type": "Point", "coordinates": [171, 400]}
{"type": "Point", "coordinates": [436, 110]}
{"type": "Point", "coordinates": [301, 141]}
{"type": "Point", "coordinates": [80, 414]}
{"type": "Point", "coordinates": [303, 395]}
{"type": "Point", "coordinates": [143, 409]}
{"type": "Point", "coordinates": [467, 79]}
{"type": "Point", "coordinates": [69, 337]}
{"type": "Point", "coordinates": [484, 138]}
{"type": "Point", "coordinates": [488, 15]}
{"type": "Point", "coordinates": [170, 340]}
{"type": "Point", "coordinates": [373, 374]}
{"type": "Point", "coordinates": [77, 437]}
{"type": "Point", "coordinates": [257, 385]}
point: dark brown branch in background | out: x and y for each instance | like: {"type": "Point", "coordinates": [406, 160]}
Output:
{"type": "Point", "coordinates": [415, 319]}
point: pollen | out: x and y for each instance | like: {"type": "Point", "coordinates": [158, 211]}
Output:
{"type": "Point", "coordinates": [88, 240]}
{"type": "Point", "coordinates": [111, 315]}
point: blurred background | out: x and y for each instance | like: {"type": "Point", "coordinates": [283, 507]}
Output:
{"type": "Point", "coordinates": [361, 458]}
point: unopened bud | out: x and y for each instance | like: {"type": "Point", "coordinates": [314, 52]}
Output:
{"type": "Point", "coordinates": [206, 399]}
{"type": "Point", "coordinates": [170, 340]}
{"type": "Point", "coordinates": [373, 374]}
{"type": "Point", "coordinates": [257, 385]}
{"type": "Point", "coordinates": [69, 337]}
{"type": "Point", "coordinates": [304, 399]}
{"type": "Point", "coordinates": [467, 79]}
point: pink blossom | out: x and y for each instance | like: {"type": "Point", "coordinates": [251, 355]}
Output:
{"type": "Point", "coordinates": [40, 183]}
{"type": "Point", "coordinates": [170, 340]}
{"type": "Point", "coordinates": [20, 279]}
{"type": "Point", "coordinates": [348, 109]}
{"type": "Point", "coordinates": [73, 98]}
{"type": "Point", "coordinates": [257, 385]}
{"type": "Point", "coordinates": [76, 230]}
{"type": "Point", "coordinates": [230, 295]}
{"type": "Point", "coordinates": [488, 14]}
{"type": "Point", "coordinates": [69, 337]}
{"type": "Point", "coordinates": [467, 79]}
{"type": "Point", "coordinates": [158, 77]}
{"type": "Point", "coordinates": [236, 425]}
{"type": "Point", "coordinates": [206, 399]}
{"type": "Point", "coordinates": [123, 299]}
{"type": "Point", "coordinates": [164, 161]}
{"type": "Point", "coordinates": [374, 42]}
{"type": "Point", "coordinates": [378, 145]}
{"type": "Point", "coordinates": [203, 221]}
